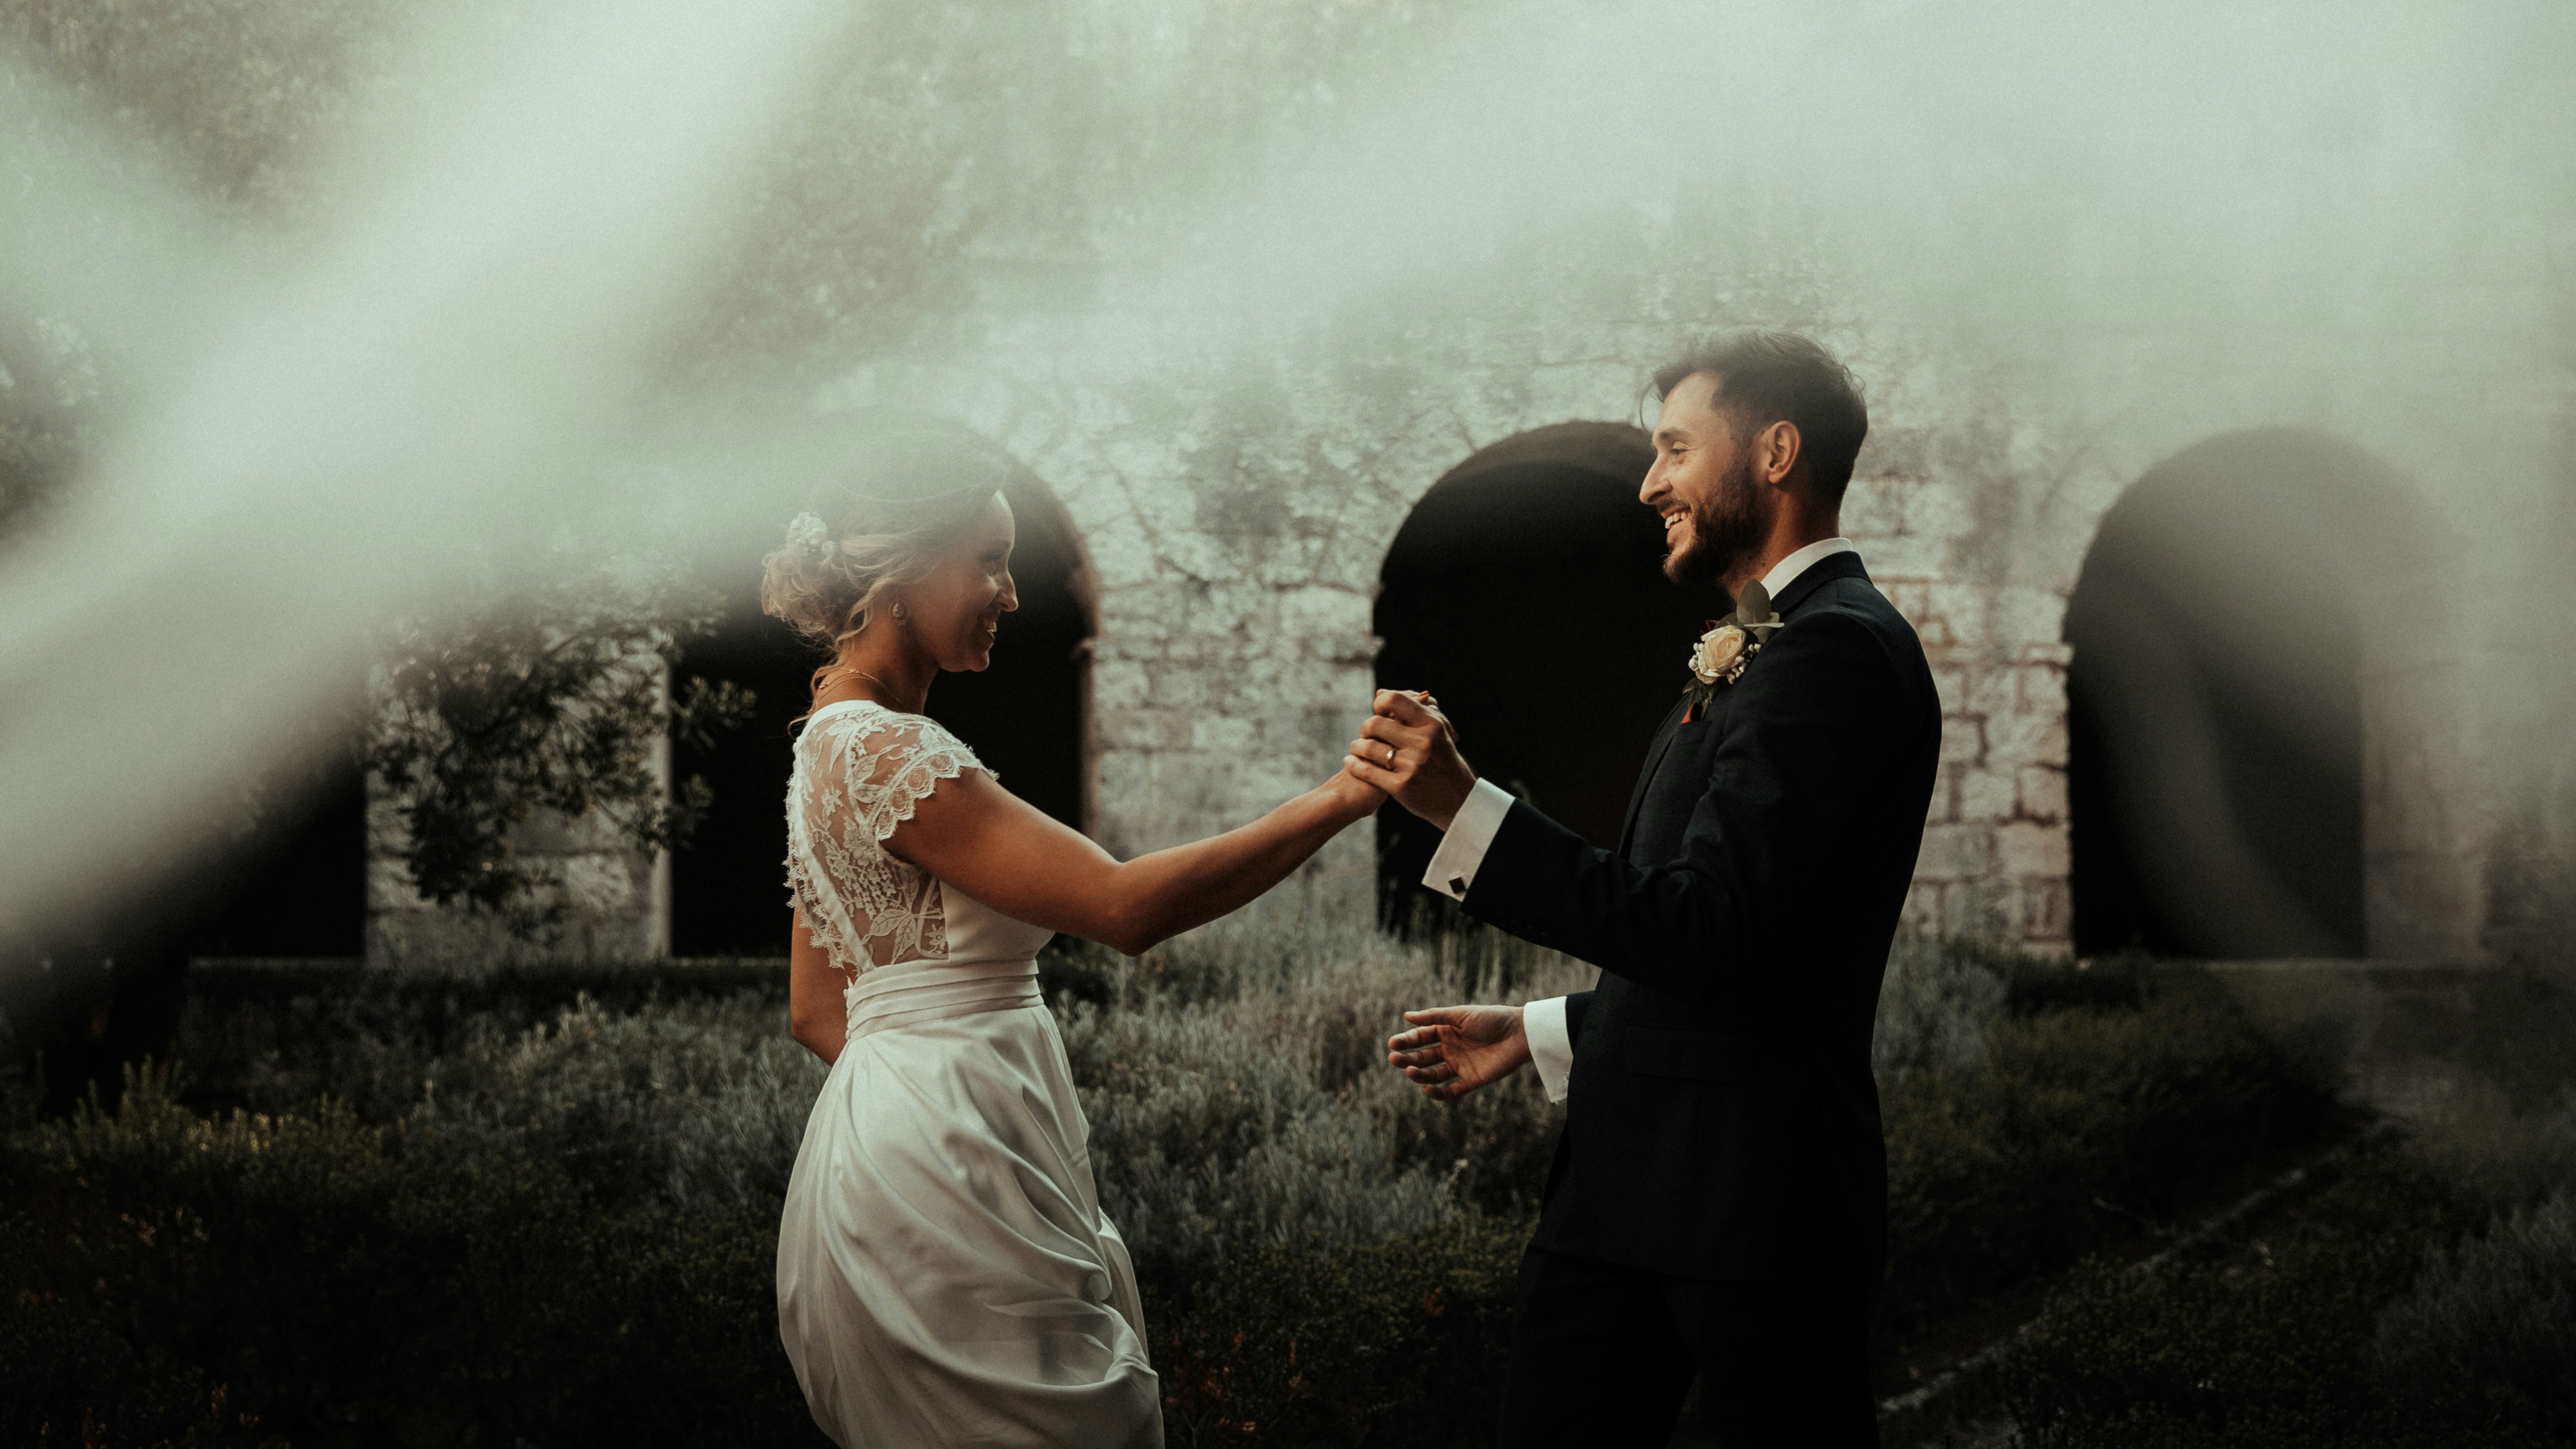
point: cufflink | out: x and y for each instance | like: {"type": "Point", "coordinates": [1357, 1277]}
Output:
{"type": "Point", "coordinates": [1458, 886]}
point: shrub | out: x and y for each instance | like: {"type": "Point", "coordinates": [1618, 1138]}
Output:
{"type": "Point", "coordinates": [2256, 1343]}
{"type": "Point", "coordinates": [21, 1082]}
{"type": "Point", "coordinates": [2492, 1320]}
{"type": "Point", "coordinates": [1401, 1340]}
{"type": "Point", "coordinates": [335, 1281]}
{"type": "Point", "coordinates": [67, 1377]}
{"type": "Point", "coordinates": [278, 1038]}
{"type": "Point", "coordinates": [497, 1205]}
{"type": "Point", "coordinates": [2078, 1124]}
{"type": "Point", "coordinates": [1936, 1005]}
{"type": "Point", "coordinates": [2523, 1030]}
{"type": "Point", "coordinates": [681, 1098]}
{"type": "Point", "coordinates": [696, 1103]}
{"type": "Point", "coordinates": [2497, 1157]}
{"type": "Point", "coordinates": [1238, 1095]}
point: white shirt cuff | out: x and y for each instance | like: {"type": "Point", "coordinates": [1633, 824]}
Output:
{"type": "Point", "coordinates": [1471, 830]}
{"type": "Point", "coordinates": [1551, 1048]}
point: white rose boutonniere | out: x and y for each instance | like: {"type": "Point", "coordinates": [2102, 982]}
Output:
{"type": "Point", "coordinates": [1723, 653]}
{"type": "Point", "coordinates": [1719, 652]}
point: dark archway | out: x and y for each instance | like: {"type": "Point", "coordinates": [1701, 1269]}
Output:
{"type": "Point", "coordinates": [296, 885]}
{"type": "Point", "coordinates": [1028, 717]}
{"type": "Point", "coordinates": [2214, 698]}
{"type": "Point", "coordinates": [1526, 590]}
{"type": "Point", "coordinates": [277, 872]}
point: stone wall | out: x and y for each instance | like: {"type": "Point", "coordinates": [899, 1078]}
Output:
{"type": "Point", "coordinates": [1238, 505]}
{"type": "Point", "coordinates": [1238, 426]}
{"type": "Point", "coordinates": [1238, 502]}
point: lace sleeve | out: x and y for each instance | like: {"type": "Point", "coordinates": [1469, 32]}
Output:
{"type": "Point", "coordinates": [907, 758]}
{"type": "Point", "coordinates": [860, 774]}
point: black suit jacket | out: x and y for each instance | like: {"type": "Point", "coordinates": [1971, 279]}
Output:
{"type": "Point", "coordinates": [1721, 1120]}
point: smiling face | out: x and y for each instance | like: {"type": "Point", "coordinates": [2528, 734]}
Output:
{"type": "Point", "coordinates": [1715, 511]}
{"type": "Point", "coordinates": [955, 610]}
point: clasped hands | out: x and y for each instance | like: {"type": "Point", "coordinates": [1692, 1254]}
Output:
{"type": "Point", "coordinates": [1409, 749]}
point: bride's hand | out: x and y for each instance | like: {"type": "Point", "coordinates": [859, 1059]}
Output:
{"type": "Point", "coordinates": [1352, 796]}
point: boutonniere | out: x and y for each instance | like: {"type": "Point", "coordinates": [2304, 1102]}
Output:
{"type": "Point", "coordinates": [1722, 653]}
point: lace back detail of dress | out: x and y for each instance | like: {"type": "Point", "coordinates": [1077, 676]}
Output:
{"type": "Point", "coordinates": [860, 772]}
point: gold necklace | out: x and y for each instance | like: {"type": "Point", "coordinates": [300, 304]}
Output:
{"type": "Point", "coordinates": [857, 673]}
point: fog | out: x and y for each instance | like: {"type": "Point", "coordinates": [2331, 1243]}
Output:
{"type": "Point", "coordinates": [1941, 153]}
{"type": "Point", "coordinates": [329, 426]}
{"type": "Point", "coordinates": [323, 424]}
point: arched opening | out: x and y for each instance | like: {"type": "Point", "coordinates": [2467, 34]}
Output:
{"type": "Point", "coordinates": [2215, 700]}
{"type": "Point", "coordinates": [1526, 591]}
{"type": "Point", "coordinates": [277, 872]}
{"type": "Point", "coordinates": [296, 885]}
{"type": "Point", "coordinates": [1028, 717]}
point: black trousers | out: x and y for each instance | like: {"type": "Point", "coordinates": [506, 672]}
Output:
{"type": "Point", "coordinates": [1602, 1355]}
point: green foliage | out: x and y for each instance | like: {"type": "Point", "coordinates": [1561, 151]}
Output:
{"type": "Point", "coordinates": [498, 1205]}
{"type": "Point", "coordinates": [41, 418]}
{"type": "Point", "coordinates": [2258, 1343]}
{"type": "Point", "coordinates": [21, 1081]}
{"type": "Point", "coordinates": [2034, 985]}
{"type": "Point", "coordinates": [2531, 885]}
{"type": "Point", "coordinates": [338, 1281]}
{"type": "Point", "coordinates": [277, 1038]}
{"type": "Point", "coordinates": [234, 95]}
{"type": "Point", "coordinates": [2491, 1322]}
{"type": "Point", "coordinates": [2078, 1123]}
{"type": "Point", "coordinates": [2497, 1154]}
{"type": "Point", "coordinates": [678, 1085]}
{"type": "Point", "coordinates": [66, 1376]}
{"type": "Point", "coordinates": [1936, 1005]}
{"type": "Point", "coordinates": [545, 706]}
{"type": "Point", "coordinates": [840, 246]}
{"type": "Point", "coordinates": [847, 243]}
{"type": "Point", "coordinates": [697, 1105]}
{"type": "Point", "coordinates": [2523, 1032]}
{"type": "Point", "coordinates": [1306, 1345]}
{"type": "Point", "coordinates": [2366, 1315]}
{"type": "Point", "coordinates": [1238, 1095]}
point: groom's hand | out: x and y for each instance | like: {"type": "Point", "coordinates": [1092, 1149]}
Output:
{"type": "Point", "coordinates": [1409, 750]}
{"type": "Point", "coordinates": [1453, 1050]}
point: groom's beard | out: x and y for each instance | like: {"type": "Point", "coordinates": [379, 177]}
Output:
{"type": "Point", "coordinates": [1724, 531]}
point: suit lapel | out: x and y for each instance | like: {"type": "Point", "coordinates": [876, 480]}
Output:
{"type": "Point", "coordinates": [1646, 776]}
{"type": "Point", "coordinates": [1823, 571]}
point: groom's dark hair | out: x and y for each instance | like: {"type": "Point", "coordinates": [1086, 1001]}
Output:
{"type": "Point", "coordinates": [1765, 377]}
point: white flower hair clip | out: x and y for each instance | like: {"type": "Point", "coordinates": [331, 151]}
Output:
{"type": "Point", "coordinates": [807, 535]}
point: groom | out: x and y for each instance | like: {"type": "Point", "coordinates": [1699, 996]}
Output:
{"type": "Point", "coordinates": [1718, 1201]}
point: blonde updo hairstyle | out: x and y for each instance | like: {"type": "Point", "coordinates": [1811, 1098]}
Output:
{"type": "Point", "coordinates": [887, 504]}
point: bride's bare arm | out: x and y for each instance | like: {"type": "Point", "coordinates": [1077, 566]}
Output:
{"type": "Point", "coordinates": [1006, 853]}
{"type": "Point", "coordinates": [816, 1019]}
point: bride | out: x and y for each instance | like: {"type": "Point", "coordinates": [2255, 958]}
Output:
{"type": "Point", "coordinates": [945, 1273]}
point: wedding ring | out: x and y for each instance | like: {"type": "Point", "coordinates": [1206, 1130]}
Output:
{"type": "Point", "coordinates": [1390, 757]}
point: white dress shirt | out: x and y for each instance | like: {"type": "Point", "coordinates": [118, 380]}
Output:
{"type": "Point", "coordinates": [1471, 831]}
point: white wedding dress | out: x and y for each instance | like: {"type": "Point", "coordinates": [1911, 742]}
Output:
{"type": "Point", "coordinates": [945, 1274]}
